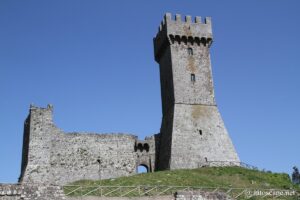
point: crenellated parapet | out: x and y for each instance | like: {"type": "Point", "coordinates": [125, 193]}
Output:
{"type": "Point", "coordinates": [41, 111]}
{"type": "Point", "coordinates": [182, 31]}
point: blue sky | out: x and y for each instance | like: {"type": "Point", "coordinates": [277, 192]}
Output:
{"type": "Point", "coordinates": [93, 60]}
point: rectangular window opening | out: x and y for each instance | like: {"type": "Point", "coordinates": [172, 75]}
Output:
{"type": "Point", "coordinates": [193, 77]}
{"type": "Point", "coordinates": [190, 51]}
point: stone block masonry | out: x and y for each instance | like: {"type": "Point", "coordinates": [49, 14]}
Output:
{"type": "Point", "coordinates": [30, 192]}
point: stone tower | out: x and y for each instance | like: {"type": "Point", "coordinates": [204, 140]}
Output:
{"type": "Point", "coordinates": [192, 130]}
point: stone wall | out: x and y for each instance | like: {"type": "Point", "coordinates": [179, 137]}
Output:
{"type": "Point", "coordinates": [146, 153]}
{"type": "Point", "coordinates": [54, 157]}
{"type": "Point", "coordinates": [39, 131]}
{"type": "Point", "coordinates": [167, 98]}
{"type": "Point", "coordinates": [92, 156]}
{"type": "Point", "coordinates": [199, 132]}
{"type": "Point", "coordinates": [30, 192]}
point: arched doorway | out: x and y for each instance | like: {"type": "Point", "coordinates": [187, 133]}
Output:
{"type": "Point", "coordinates": [142, 169]}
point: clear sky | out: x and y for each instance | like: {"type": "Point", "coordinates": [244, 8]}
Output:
{"type": "Point", "coordinates": [93, 60]}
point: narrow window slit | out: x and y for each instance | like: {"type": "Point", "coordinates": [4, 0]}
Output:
{"type": "Point", "coordinates": [190, 51]}
{"type": "Point", "coordinates": [193, 78]}
{"type": "Point", "coordinates": [200, 132]}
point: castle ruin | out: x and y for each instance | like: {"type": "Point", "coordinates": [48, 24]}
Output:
{"type": "Point", "coordinates": [192, 132]}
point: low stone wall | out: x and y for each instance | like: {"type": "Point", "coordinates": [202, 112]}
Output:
{"type": "Point", "coordinates": [30, 192]}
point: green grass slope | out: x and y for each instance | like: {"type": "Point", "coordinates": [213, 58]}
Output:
{"type": "Point", "coordinates": [231, 180]}
{"type": "Point", "coordinates": [231, 177]}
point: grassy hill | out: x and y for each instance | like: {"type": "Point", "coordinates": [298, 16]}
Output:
{"type": "Point", "coordinates": [222, 177]}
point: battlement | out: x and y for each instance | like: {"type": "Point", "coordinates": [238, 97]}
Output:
{"type": "Point", "coordinates": [48, 108]}
{"type": "Point", "coordinates": [186, 21]}
{"type": "Point", "coordinates": [38, 113]}
{"type": "Point", "coordinates": [182, 31]}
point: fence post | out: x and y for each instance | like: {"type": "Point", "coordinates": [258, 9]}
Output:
{"type": "Point", "coordinates": [139, 190]}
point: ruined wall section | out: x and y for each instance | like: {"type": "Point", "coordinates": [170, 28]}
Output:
{"type": "Point", "coordinates": [37, 145]}
{"type": "Point", "coordinates": [54, 157]}
{"type": "Point", "coordinates": [146, 152]}
{"type": "Point", "coordinates": [25, 146]}
{"type": "Point", "coordinates": [76, 156]}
